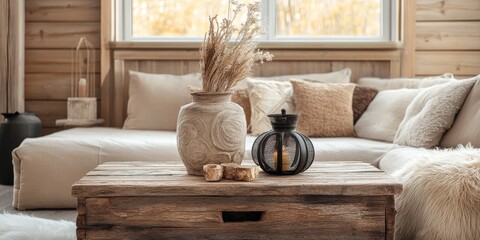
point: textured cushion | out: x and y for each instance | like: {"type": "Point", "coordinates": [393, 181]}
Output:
{"type": "Point", "coordinates": [397, 83]}
{"type": "Point", "coordinates": [155, 99]}
{"type": "Point", "coordinates": [383, 116]}
{"type": "Point", "coordinates": [431, 113]}
{"type": "Point", "coordinates": [268, 97]}
{"type": "Point", "coordinates": [325, 110]}
{"type": "Point", "coordinates": [362, 97]}
{"type": "Point", "coordinates": [241, 98]}
{"type": "Point", "coordinates": [466, 128]}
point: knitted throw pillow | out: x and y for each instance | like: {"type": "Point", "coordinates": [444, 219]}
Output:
{"type": "Point", "coordinates": [325, 110]}
{"type": "Point", "coordinates": [431, 114]}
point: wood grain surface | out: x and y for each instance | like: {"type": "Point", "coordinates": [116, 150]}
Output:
{"type": "Point", "coordinates": [331, 200]}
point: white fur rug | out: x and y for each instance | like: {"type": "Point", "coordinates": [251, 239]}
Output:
{"type": "Point", "coordinates": [22, 227]}
{"type": "Point", "coordinates": [441, 197]}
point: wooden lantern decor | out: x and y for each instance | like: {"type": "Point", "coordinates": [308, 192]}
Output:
{"type": "Point", "coordinates": [82, 105]}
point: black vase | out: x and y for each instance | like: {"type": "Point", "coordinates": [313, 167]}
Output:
{"type": "Point", "coordinates": [15, 128]}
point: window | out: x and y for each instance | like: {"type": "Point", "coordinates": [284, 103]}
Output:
{"type": "Point", "coordinates": [283, 20]}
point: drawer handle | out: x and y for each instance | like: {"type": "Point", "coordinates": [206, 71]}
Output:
{"type": "Point", "coordinates": [253, 216]}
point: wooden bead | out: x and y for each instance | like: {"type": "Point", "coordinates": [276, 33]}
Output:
{"type": "Point", "coordinates": [246, 173]}
{"type": "Point", "coordinates": [229, 170]}
{"type": "Point", "coordinates": [212, 172]}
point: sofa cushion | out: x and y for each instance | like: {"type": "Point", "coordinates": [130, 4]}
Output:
{"type": "Point", "coordinates": [362, 97]}
{"type": "Point", "coordinates": [155, 99]}
{"type": "Point", "coordinates": [431, 113]}
{"type": "Point", "coordinates": [393, 161]}
{"type": "Point", "coordinates": [240, 97]}
{"type": "Point", "coordinates": [466, 128]}
{"type": "Point", "coordinates": [268, 97]}
{"type": "Point", "coordinates": [383, 116]}
{"type": "Point", "coordinates": [397, 83]}
{"type": "Point", "coordinates": [324, 110]}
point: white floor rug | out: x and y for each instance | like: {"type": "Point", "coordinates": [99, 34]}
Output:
{"type": "Point", "coordinates": [22, 227]}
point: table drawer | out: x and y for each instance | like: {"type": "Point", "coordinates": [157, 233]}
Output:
{"type": "Point", "coordinates": [260, 217]}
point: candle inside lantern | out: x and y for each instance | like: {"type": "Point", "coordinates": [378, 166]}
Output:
{"type": "Point", "coordinates": [285, 159]}
{"type": "Point", "coordinates": [82, 87]}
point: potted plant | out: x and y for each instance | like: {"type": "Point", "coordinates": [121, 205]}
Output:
{"type": "Point", "coordinates": [212, 129]}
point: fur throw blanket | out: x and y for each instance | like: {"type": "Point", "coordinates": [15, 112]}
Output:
{"type": "Point", "coordinates": [20, 227]}
{"type": "Point", "coordinates": [441, 196]}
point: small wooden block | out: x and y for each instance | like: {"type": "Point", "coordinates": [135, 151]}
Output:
{"type": "Point", "coordinates": [212, 172]}
{"type": "Point", "coordinates": [246, 173]}
{"type": "Point", "coordinates": [229, 170]}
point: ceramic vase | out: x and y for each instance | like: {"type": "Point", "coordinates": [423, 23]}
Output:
{"type": "Point", "coordinates": [15, 128]}
{"type": "Point", "coordinates": [210, 130]}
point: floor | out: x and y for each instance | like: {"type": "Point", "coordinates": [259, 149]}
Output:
{"type": "Point", "coordinates": [6, 195]}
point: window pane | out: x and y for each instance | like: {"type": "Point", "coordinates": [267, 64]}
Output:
{"type": "Point", "coordinates": [176, 18]}
{"type": "Point", "coordinates": [328, 18]}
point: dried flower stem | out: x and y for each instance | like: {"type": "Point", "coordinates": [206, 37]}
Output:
{"type": "Point", "coordinates": [224, 59]}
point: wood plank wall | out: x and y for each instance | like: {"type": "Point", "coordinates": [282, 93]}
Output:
{"type": "Point", "coordinates": [447, 37]}
{"type": "Point", "coordinates": [52, 29]}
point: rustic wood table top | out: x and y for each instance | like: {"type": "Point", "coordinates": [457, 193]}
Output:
{"type": "Point", "coordinates": [163, 179]}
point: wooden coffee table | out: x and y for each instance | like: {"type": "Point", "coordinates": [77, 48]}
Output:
{"type": "Point", "coordinates": [331, 200]}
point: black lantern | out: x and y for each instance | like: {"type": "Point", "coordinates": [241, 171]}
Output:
{"type": "Point", "coordinates": [283, 150]}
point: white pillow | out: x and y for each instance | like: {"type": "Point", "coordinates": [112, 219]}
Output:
{"type": "Point", "coordinates": [431, 114]}
{"type": "Point", "coordinates": [383, 116]}
{"type": "Point", "coordinates": [155, 99]}
{"type": "Point", "coordinates": [270, 95]}
{"type": "Point", "coordinates": [397, 83]}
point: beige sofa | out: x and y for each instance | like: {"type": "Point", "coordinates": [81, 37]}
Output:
{"type": "Point", "coordinates": [45, 168]}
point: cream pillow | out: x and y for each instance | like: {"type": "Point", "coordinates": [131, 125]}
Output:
{"type": "Point", "coordinates": [155, 99]}
{"type": "Point", "coordinates": [431, 113]}
{"type": "Point", "coordinates": [397, 83]}
{"type": "Point", "coordinates": [324, 109]}
{"type": "Point", "coordinates": [268, 97]}
{"type": "Point", "coordinates": [466, 128]}
{"type": "Point", "coordinates": [271, 94]}
{"type": "Point", "coordinates": [383, 115]}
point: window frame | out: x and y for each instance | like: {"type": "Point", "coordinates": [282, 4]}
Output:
{"type": "Point", "coordinates": [389, 27]}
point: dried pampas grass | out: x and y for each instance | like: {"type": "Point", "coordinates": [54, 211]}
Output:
{"type": "Point", "coordinates": [228, 53]}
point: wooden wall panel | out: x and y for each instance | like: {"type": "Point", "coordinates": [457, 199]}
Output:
{"type": "Point", "coordinates": [448, 35]}
{"type": "Point", "coordinates": [447, 10]}
{"type": "Point", "coordinates": [60, 35]}
{"type": "Point", "coordinates": [51, 61]}
{"type": "Point", "coordinates": [457, 62]}
{"type": "Point", "coordinates": [62, 10]}
{"type": "Point", "coordinates": [50, 86]}
{"type": "Point", "coordinates": [52, 30]}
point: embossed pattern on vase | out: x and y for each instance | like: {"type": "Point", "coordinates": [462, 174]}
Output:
{"type": "Point", "coordinates": [211, 129]}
